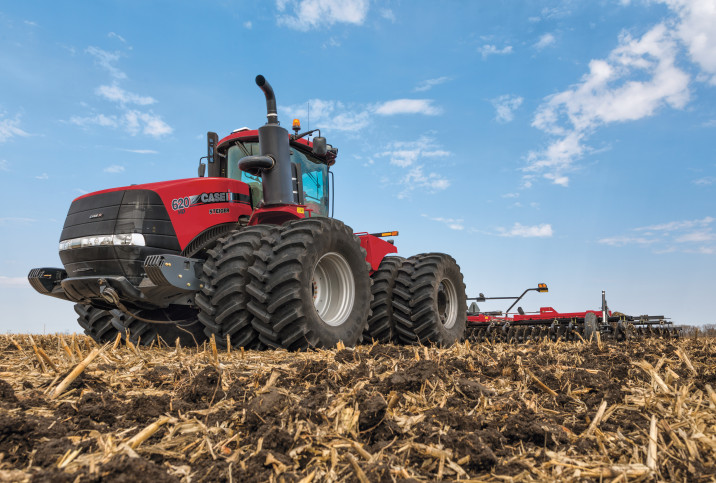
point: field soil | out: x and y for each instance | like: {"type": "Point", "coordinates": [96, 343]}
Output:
{"type": "Point", "coordinates": [635, 411]}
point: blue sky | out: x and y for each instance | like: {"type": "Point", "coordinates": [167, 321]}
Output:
{"type": "Point", "coordinates": [567, 142]}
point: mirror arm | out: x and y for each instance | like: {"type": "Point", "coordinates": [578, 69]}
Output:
{"type": "Point", "coordinates": [299, 136]}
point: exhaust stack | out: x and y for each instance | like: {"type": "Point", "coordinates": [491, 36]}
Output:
{"type": "Point", "coordinates": [270, 99]}
{"type": "Point", "coordinates": [274, 163]}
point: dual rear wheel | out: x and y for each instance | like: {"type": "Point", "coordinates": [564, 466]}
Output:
{"type": "Point", "coordinates": [307, 284]}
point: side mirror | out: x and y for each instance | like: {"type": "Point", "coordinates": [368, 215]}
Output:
{"type": "Point", "coordinates": [212, 139]}
{"type": "Point", "coordinates": [320, 148]}
{"type": "Point", "coordinates": [202, 170]}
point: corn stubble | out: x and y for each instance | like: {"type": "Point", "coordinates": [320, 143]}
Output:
{"type": "Point", "coordinates": [74, 411]}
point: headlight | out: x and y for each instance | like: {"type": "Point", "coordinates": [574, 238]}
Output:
{"type": "Point", "coordinates": [124, 239]}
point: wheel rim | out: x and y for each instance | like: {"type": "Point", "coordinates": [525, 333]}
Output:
{"type": "Point", "coordinates": [333, 289]}
{"type": "Point", "coordinates": [447, 303]}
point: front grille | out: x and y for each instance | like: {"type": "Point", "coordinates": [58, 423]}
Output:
{"type": "Point", "coordinates": [117, 212]}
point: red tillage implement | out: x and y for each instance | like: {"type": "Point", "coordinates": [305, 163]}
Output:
{"type": "Point", "coordinates": [554, 325]}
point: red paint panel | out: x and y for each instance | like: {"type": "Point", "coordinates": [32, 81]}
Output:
{"type": "Point", "coordinates": [189, 221]}
{"type": "Point", "coordinates": [376, 249]}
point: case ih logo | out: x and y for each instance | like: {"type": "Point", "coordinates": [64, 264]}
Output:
{"type": "Point", "coordinates": [179, 204]}
{"type": "Point", "coordinates": [96, 215]}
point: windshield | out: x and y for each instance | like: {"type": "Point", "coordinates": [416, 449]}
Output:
{"type": "Point", "coordinates": [314, 176]}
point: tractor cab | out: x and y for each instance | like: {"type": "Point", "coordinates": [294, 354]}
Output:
{"type": "Point", "coordinates": [311, 185]}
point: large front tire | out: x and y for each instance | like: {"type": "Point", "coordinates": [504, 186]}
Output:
{"type": "Point", "coordinates": [223, 298]}
{"type": "Point", "coordinates": [429, 301]}
{"type": "Point", "coordinates": [97, 323]}
{"type": "Point", "coordinates": [174, 322]}
{"type": "Point", "coordinates": [313, 289]}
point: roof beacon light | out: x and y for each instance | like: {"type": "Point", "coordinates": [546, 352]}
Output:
{"type": "Point", "coordinates": [542, 287]}
{"type": "Point", "coordinates": [296, 125]}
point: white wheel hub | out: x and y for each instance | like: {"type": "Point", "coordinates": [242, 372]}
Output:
{"type": "Point", "coordinates": [447, 303]}
{"type": "Point", "coordinates": [333, 289]}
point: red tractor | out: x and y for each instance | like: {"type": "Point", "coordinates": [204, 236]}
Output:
{"type": "Point", "coordinates": [249, 255]}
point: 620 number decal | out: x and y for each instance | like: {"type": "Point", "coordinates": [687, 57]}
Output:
{"type": "Point", "coordinates": [180, 203]}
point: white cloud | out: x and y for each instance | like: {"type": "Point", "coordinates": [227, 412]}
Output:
{"type": "Point", "coordinates": [428, 84]}
{"type": "Point", "coordinates": [141, 151]}
{"type": "Point", "coordinates": [678, 225]}
{"type": "Point", "coordinates": [149, 123]}
{"type": "Point", "coordinates": [332, 42]}
{"type": "Point", "coordinates": [618, 241]}
{"type": "Point", "coordinates": [408, 106]}
{"type": "Point", "coordinates": [42, 176]}
{"type": "Point", "coordinates": [114, 169]}
{"type": "Point", "coordinates": [97, 120]}
{"type": "Point", "coordinates": [113, 35]}
{"type": "Point", "coordinates": [634, 81]}
{"type": "Point", "coordinates": [13, 281]}
{"type": "Point", "coordinates": [107, 61]}
{"type": "Point", "coordinates": [30, 23]}
{"type": "Point", "coordinates": [505, 106]}
{"type": "Point", "coordinates": [417, 178]}
{"type": "Point", "coordinates": [17, 220]}
{"type": "Point", "coordinates": [699, 236]}
{"type": "Point", "coordinates": [545, 41]}
{"type": "Point", "coordinates": [9, 128]}
{"type": "Point", "coordinates": [489, 49]}
{"type": "Point", "coordinates": [132, 121]}
{"type": "Point", "coordinates": [4, 165]}
{"type": "Point", "coordinates": [452, 223]}
{"type": "Point", "coordinates": [115, 93]}
{"type": "Point", "coordinates": [387, 14]}
{"type": "Point", "coordinates": [248, 24]}
{"type": "Point", "coordinates": [336, 115]}
{"type": "Point", "coordinates": [511, 195]}
{"type": "Point", "coordinates": [330, 115]}
{"type": "Point", "coordinates": [696, 30]}
{"type": "Point", "coordinates": [688, 236]}
{"type": "Point", "coordinates": [307, 14]}
{"type": "Point", "coordinates": [705, 181]}
{"type": "Point", "coordinates": [412, 175]}
{"type": "Point", "coordinates": [543, 230]}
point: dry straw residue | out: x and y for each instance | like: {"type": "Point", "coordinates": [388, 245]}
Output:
{"type": "Point", "coordinates": [492, 412]}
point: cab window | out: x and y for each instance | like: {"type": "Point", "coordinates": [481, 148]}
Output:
{"type": "Point", "coordinates": [314, 176]}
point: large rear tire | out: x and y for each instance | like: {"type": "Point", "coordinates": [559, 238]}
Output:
{"type": "Point", "coordinates": [381, 324]}
{"type": "Point", "coordinates": [429, 301]}
{"type": "Point", "coordinates": [313, 288]}
{"type": "Point", "coordinates": [176, 321]}
{"type": "Point", "coordinates": [97, 323]}
{"type": "Point", "coordinates": [223, 298]}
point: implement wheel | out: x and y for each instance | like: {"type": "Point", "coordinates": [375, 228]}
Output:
{"type": "Point", "coordinates": [97, 323]}
{"type": "Point", "coordinates": [313, 288]}
{"type": "Point", "coordinates": [429, 301]}
{"type": "Point", "coordinates": [590, 326]}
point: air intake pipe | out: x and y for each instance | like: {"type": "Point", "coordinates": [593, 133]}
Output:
{"type": "Point", "coordinates": [274, 163]}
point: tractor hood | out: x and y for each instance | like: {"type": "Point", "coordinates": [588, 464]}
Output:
{"type": "Point", "coordinates": [111, 232]}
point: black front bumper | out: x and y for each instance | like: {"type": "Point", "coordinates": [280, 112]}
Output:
{"type": "Point", "coordinates": [169, 280]}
